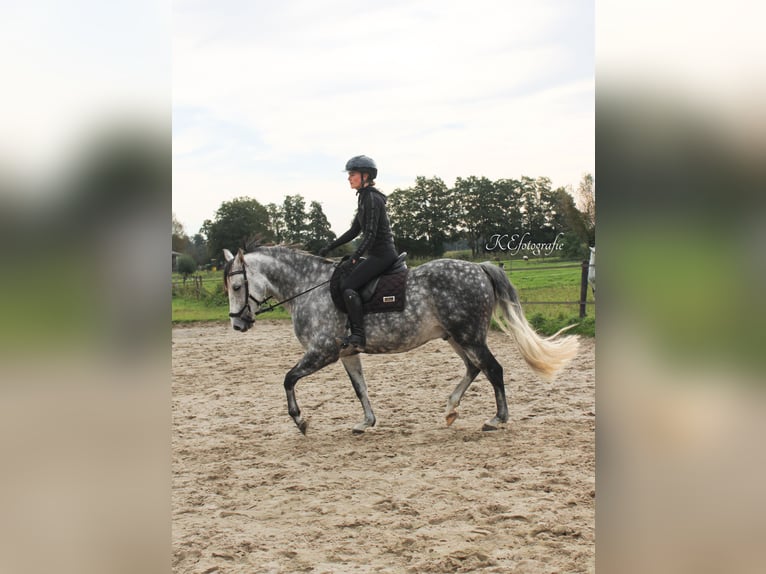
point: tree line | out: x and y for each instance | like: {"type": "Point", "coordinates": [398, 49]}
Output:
{"type": "Point", "coordinates": [426, 218]}
{"type": "Point", "coordinates": [243, 221]}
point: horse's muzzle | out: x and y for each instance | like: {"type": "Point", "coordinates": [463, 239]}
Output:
{"type": "Point", "coordinates": [241, 325]}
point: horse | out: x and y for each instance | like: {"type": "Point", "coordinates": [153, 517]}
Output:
{"type": "Point", "coordinates": [445, 298]}
{"type": "Point", "coordinates": [592, 270]}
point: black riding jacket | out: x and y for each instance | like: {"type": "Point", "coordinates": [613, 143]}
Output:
{"type": "Point", "coordinates": [372, 221]}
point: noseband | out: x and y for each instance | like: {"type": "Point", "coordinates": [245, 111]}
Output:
{"type": "Point", "coordinates": [248, 296]}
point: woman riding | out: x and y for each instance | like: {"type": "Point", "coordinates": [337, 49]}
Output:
{"type": "Point", "coordinates": [377, 245]}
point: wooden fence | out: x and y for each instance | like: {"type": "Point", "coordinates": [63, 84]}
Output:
{"type": "Point", "coordinates": [194, 284]}
{"type": "Point", "coordinates": [582, 301]}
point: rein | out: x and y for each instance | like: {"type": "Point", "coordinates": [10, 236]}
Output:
{"type": "Point", "coordinates": [275, 305]}
{"type": "Point", "coordinates": [261, 308]}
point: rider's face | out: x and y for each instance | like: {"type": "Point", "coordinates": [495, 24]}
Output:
{"type": "Point", "coordinates": [355, 179]}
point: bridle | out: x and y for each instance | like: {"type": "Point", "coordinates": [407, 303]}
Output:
{"type": "Point", "coordinates": [246, 307]}
{"type": "Point", "coordinates": [261, 309]}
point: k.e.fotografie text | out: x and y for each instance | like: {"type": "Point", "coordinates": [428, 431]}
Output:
{"type": "Point", "coordinates": [518, 242]}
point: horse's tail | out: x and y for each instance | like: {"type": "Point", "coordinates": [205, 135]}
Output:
{"type": "Point", "coordinates": [546, 355]}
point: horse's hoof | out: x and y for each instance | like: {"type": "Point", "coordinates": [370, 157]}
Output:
{"type": "Point", "coordinates": [303, 427]}
{"type": "Point", "coordinates": [362, 427]}
{"type": "Point", "coordinates": [451, 418]}
{"type": "Point", "coordinates": [488, 427]}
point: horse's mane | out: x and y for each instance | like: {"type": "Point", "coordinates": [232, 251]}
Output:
{"type": "Point", "coordinates": [256, 243]}
{"type": "Point", "coordinates": [253, 247]}
{"type": "Point", "coordinates": [226, 271]}
{"type": "Point", "coordinates": [281, 248]}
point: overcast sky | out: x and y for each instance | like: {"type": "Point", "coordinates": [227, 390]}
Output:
{"type": "Point", "coordinates": [272, 98]}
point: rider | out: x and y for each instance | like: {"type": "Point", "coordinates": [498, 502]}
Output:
{"type": "Point", "coordinates": [377, 245]}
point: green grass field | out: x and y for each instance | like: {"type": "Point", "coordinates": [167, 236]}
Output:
{"type": "Point", "coordinates": [210, 304]}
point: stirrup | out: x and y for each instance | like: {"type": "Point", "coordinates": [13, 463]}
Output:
{"type": "Point", "coordinates": [351, 344]}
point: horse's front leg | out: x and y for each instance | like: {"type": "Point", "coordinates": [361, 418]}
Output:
{"type": "Point", "coordinates": [353, 366]}
{"type": "Point", "coordinates": [311, 362]}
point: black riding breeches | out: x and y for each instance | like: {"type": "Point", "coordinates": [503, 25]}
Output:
{"type": "Point", "coordinates": [366, 271]}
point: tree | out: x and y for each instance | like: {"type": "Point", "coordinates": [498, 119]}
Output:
{"type": "Point", "coordinates": [180, 240]}
{"type": "Point", "coordinates": [294, 216]}
{"type": "Point", "coordinates": [421, 216]}
{"type": "Point", "coordinates": [404, 215]}
{"type": "Point", "coordinates": [237, 223]}
{"type": "Point", "coordinates": [480, 207]}
{"type": "Point", "coordinates": [186, 266]}
{"type": "Point", "coordinates": [464, 207]}
{"type": "Point", "coordinates": [532, 216]}
{"type": "Point", "coordinates": [276, 222]}
{"type": "Point", "coordinates": [587, 203]}
{"type": "Point", "coordinates": [318, 233]}
{"type": "Point", "coordinates": [572, 224]}
{"type": "Point", "coordinates": [198, 249]}
{"type": "Point", "coordinates": [546, 207]}
{"type": "Point", "coordinates": [507, 193]}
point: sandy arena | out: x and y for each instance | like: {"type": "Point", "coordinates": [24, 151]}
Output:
{"type": "Point", "coordinates": [251, 494]}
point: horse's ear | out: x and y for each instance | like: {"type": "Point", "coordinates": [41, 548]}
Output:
{"type": "Point", "coordinates": [241, 254]}
{"type": "Point", "coordinates": [227, 255]}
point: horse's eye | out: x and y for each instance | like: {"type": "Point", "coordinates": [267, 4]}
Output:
{"type": "Point", "coordinates": [237, 287]}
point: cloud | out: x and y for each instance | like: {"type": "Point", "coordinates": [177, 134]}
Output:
{"type": "Point", "coordinates": [427, 88]}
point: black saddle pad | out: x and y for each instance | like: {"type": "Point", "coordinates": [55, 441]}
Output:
{"type": "Point", "coordinates": [388, 295]}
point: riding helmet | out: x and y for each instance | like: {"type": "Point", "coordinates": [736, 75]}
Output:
{"type": "Point", "coordinates": [362, 163]}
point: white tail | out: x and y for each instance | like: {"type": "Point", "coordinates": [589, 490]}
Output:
{"type": "Point", "coordinates": [546, 355]}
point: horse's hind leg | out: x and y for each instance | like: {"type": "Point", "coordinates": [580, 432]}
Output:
{"type": "Point", "coordinates": [471, 372]}
{"type": "Point", "coordinates": [353, 366]}
{"type": "Point", "coordinates": [481, 355]}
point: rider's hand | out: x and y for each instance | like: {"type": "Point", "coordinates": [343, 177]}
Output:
{"type": "Point", "coordinates": [324, 251]}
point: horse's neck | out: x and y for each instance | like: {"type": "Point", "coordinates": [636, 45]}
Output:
{"type": "Point", "coordinates": [290, 272]}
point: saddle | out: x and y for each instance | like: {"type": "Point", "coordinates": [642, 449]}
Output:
{"type": "Point", "coordinates": [384, 293]}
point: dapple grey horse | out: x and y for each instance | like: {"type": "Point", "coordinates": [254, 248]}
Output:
{"type": "Point", "coordinates": [448, 299]}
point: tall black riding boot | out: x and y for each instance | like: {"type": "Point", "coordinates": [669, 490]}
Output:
{"type": "Point", "coordinates": [356, 341]}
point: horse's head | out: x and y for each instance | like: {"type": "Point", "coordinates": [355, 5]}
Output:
{"type": "Point", "coordinates": [243, 285]}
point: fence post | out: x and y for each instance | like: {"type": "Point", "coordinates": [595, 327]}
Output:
{"type": "Point", "coordinates": [583, 288]}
